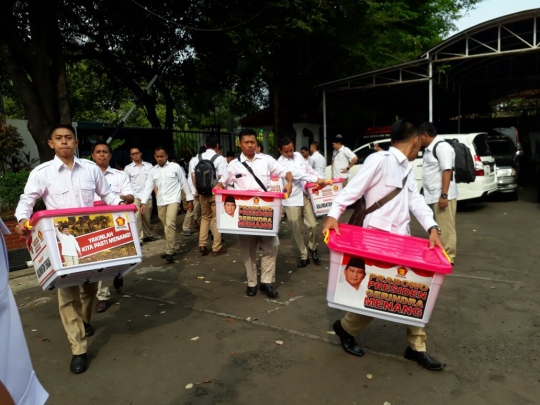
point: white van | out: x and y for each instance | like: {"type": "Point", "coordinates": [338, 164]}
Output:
{"type": "Point", "coordinates": [486, 180]}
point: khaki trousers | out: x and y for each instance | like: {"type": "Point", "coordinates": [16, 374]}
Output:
{"type": "Point", "coordinates": [250, 244]}
{"type": "Point", "coordinates": [71, 260]}
{"type": "Point", "coordinates": [192, 216]}
{"type": "Point", "coordinates": [297, 216]}
{"type": "Point", "coordinates": [446, 219]}
{"type": "Point", "coordinates": [103, 292]}
{"type": "Point", "coordinates": [75, 305]}
{"type": "Point", "coordinates": [208, 215]}
{"type": "Point", "coordinates": [354, 323]}
{"type": "Point", "coordinates": [143, 221]}
{"type": "Point", "coordinates": [167, 215]}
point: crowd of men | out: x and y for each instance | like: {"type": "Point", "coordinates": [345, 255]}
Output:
{"type": "Point", "coordinates": [59, 182]}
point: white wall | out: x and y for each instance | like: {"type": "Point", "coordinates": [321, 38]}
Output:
{"type": "Point", "coordinates": [22, 127]}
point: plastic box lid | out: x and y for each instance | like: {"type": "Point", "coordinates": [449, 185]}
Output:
{"type": "Point", "coordinates": [338, 180]}
{"type": "Point", "coordinates": [69, 212]}
{"type": "Point", "coordinates": [255, 193]}
{"type": "Point", "coordinates": [389, 247]}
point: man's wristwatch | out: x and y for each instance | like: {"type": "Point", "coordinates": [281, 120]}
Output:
{"type": "Point", "coordinates": [434, 227]}
{"type": "Point", "coordinates": [444, 196]}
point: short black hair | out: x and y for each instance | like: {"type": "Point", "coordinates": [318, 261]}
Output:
{"type": "Point", "coordinates": [202, 149]}
{"type": "Point", "coordinates": [230, 199]}
{"type": "Point", "coordinates": [134, 147]}
{"type": "Point", "coordinates": [304, 148]}
{"type": "Point", "coordinates": [403, 131]}
{"type": "Point", "coordinates": [284, 141]}
{"type": "Point", "coordinates": [64, 126]}
{"type": "Point", "coordinates": [316, 144]}
{"type": "Point", "coordinates": [356, 262]}
{"type": "Point", "coordinates": [429, 129]}
{"type": "Point", "coordinates": [100, 143]}
{"type": "Point", "coordinates": [230, 154]}
{"type": "Point", "coordinates": [161, 148]}
{"type": "Point", "coordinates": [212, 141]}
{"type": "Point", "coordinates": [247, 132]}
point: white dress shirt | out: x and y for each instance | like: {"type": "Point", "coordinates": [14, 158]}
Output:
{"type": "Point", "coordinates": [318, 163]}
{"type": "Point", "coordinates": [302, 173]}
{"type": "Point", "coordinates": [220, 164]}
{"type": "Point", "coordinates": [191, 170]}
{"type": "Point", "coordinates": [341, 159]}
{"type": "Point", "coordinates": [169, 180]}
{"type": "Point", "coordinates": [137, 176]}
{"type": "Point", "coordinates": [119, 182]}
{"type": "Point", "coordinates": [381, 173]}
{"type": "Point", "coordinates": [346, 294]}
{"type": "Point", "coordinates": [432, 169]}
{"type": "Point", "coordinates": [61, 187]}
{"type": "Point", "coordinates": [70, 246]}
{"type": "Point", "coordinates": [262, 165]}
{"type": "Point", "coordinates": [16, 371]}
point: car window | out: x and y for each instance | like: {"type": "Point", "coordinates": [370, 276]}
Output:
{"type": "Point", "coordinates": [481, 147]}
{"type": "Point", "coordinates": [363, 154]}
{"type": "Point", "coordinates": [502, 146]}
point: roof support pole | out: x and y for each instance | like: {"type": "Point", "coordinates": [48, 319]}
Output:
{"type": "Point", "coordinates": [430, 91]}
{"type": "Point", "coordinates": [324, 125]}
{"type": "Point", "coordinates": [459, 109]}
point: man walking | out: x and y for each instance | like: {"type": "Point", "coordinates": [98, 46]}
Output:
{"type": "Point", "coordinates": [440, 188]}
{"type": "Point", "coordinates": [169, 178]}
{"type": "Point", "coordinates": [68, 182]}
{"type": "Point", "coordinates": [317, 161]}
{"type": "Point", "coordinates": [304, 151]}
{"type": "Point", "coordinates": [120, 185]}
{"type": "Point", "coordinates": [343, 159]}
{"type": "Point", "coordinates": [137, 173]}
{"type": "Point", "coordinates": [207, 198]}
{"type": "Point", "coordinates": [195, 214]}
{"type": "Point", "coordinates": [380, 175]}
{"type": "Point", "coordinates": [298, 206]}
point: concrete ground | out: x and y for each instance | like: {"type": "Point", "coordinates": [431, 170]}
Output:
{"type": "Point", "coordinates": [174, 337]}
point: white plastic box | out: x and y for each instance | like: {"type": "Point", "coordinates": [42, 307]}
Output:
{"type": "Point", "coordinates": [248, 212]}
{"type": "Point", "coordinates": [322, 197]}
{"type": "Point", "coordinates": [384, 275]}
{"type": "Point", "coordinates": [83, 245]}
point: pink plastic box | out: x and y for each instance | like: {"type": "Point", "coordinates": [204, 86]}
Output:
{"type": "Point", "coordinates": [384, 275]}
{"type": "Point", "coordinates": [83, 245]}
{"type": "Point", "coordinates": [248, 212]}
{"type": "Point", "coordinates": [322, 197]}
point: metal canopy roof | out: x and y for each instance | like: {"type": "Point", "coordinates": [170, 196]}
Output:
{"type": "Point", "coordinates": [466, 73]}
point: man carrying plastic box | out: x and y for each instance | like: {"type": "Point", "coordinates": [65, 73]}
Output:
{"type": "Point", "coordinates": [121, 186]}
{"type": "Point", "coordinates": [298, 206]}
{"type": "Point", "coordinates": [169, 178]}
{"type": "Point", "coordinates": [383, 174]}
{"type": "Point", "coordinates": [194, 215]}
{"type": "Point", "coordinates": [68, 182]}
{"type": "Point", "coordinates": [252, 171]}
{"type": "Point", "coordinates": [317, 161]}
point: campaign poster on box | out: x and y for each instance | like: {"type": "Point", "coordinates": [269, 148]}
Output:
{"type": "Point", "coordinates": [388, 288]}
{"type": "Point", "coordinates": [94, 238]}
{"type": "Point", "coordinates": [322, 198]}
{"type": "Point", "coordinates": [247, 212]}
{"type": "Point", "coordinates": [37, 246]}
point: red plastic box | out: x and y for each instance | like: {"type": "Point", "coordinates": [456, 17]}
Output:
{"type": "Point", "coordinates": [322, 197]}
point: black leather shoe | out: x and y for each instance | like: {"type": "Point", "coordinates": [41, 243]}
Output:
{"type": "Point", "coordinates": [118, 284]}
{"type": "Point", "coordinates": [89, 330]}
{"type": "Point", "coordinates": [348, 342]}
{"type": "Point", "coordinates": [149, 239]}
{"type": "Point", "coordinates": [203, 250]}
{"type": "Point", "coordinates": [169, 258]}
{"type": "Point", "coordinates": [164, 255]}
{"type": "Point", "coordinates": [424, 359]}
{"type": "Point", "coordinates": [268, 289]}
{"type": "Point", "coordinates": [303, 262]}
{"type": "Point", "coordinates": [315, 256]}
{"type": "Point", "coordinates": [79, 364]}
{"type": "Point", "coordinates": [251, 291]}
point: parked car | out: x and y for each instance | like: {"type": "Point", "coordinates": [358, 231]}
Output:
{"type": "Point", "coordinates": [504, 150]}
{"type": "Point", "coordinates": [485, 183]}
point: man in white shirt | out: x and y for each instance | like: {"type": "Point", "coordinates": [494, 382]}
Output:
{"type": "Point", "coordinates": [120, 185]}
{"type": "Point", "coordinates": [169, 178]}
{"type": "Point", "coordinates": [381, 174]}
{"type": "Point", "coordinates": [317, 161]}
{"type": "Point", "coordinates": [70, 247]}
{"type": "Point", "coordinates": [304, 151]}
{"type": "Point", "coordinates": [194, 215]}
{"type": "Point", "coordinates": [208, 202]}
{"type": "Point", "coordinates": [440, 189]}
{"type": "Point", "coordinates": [68, 182]}
{"type": "Point", "coordinates": [298, 206]}
{"type": "Point", "coordinates": [343, 159]}
{"type": "Point", "coordinates": [262, 166]}
{"type": "Point", "coordinates": [137, 173]}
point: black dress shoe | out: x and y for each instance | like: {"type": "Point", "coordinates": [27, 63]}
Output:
{"type": "Point", "coordinates": [118, 284]}
{"type": "Point", "coordinates": [303, 262]}
{"type": "Point", "coordinates": [251, 291]}
{"type": "Point", "coordinates": [268, 289]}
{"type": "Point", "coordinates": [149, 239]}
{"type": "Point", "coordinates": [164, 255]}
{"type": "Point", "coordinates": [79, 363]}
{"type": "Point", "coordinates": [424, 359]}
{"type": "Point", "coordinates": [169, 258]}
{"type": "Point", "coordinates": [348, 342]}
{"type": "Point", "coordinates": [89, 330]}
{"type": "Point", "coordinates": [203, 250]}
{"type": "Point", "coordinates": [315, 256]}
